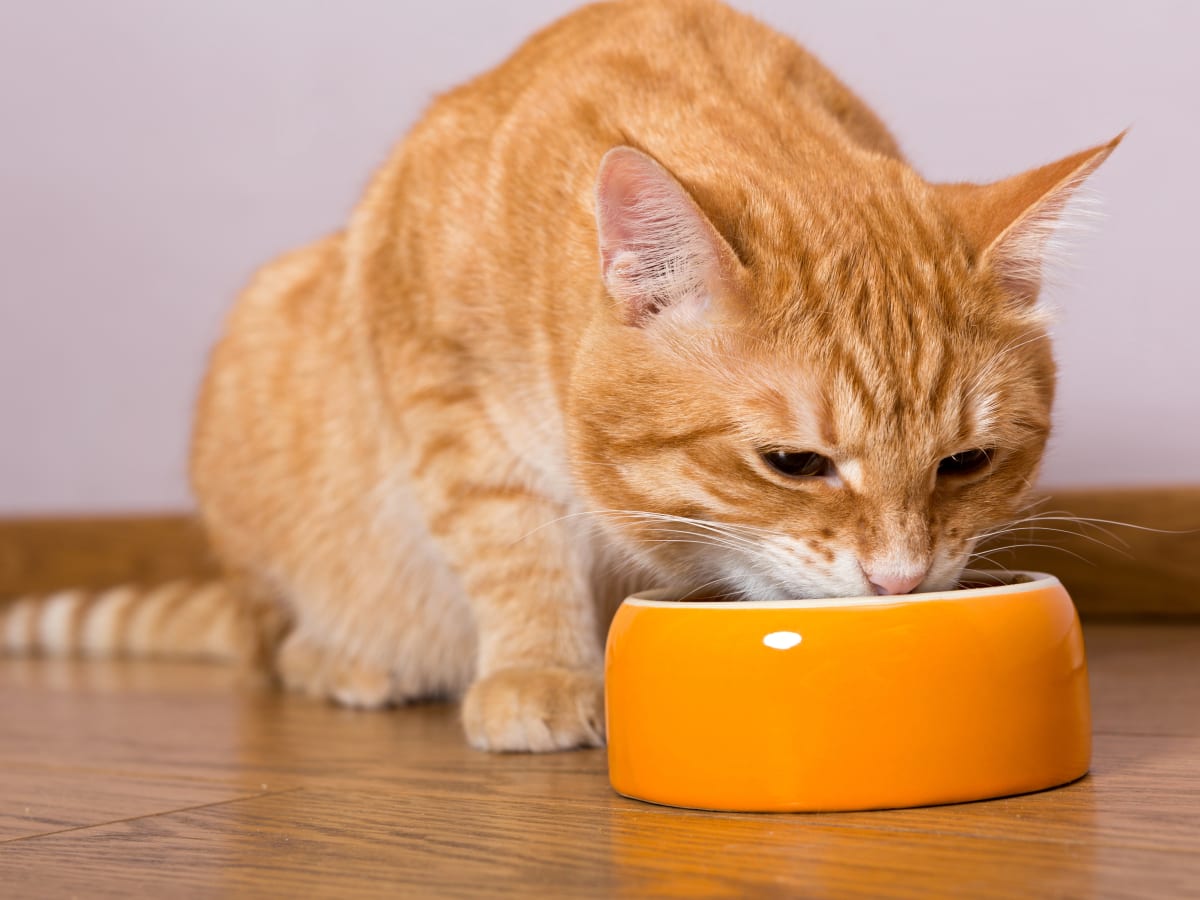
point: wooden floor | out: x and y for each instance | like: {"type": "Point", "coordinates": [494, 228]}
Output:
{"type": "Point", "coordinates": [143, 779]}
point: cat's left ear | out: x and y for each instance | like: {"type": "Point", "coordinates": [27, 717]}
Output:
{"type": "Point", "coordinates": [1010, 222]}
{"type": "Point", "coordinates": [658, 251]}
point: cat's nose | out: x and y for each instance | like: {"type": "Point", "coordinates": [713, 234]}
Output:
{"type": "Point", "coordinates": [894, 584]}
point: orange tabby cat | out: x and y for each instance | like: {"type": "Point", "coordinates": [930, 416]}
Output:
{"type": "Point", "coordinates": [656, 301]}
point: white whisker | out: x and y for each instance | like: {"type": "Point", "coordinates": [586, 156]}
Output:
{"type": "Point", "coordinates": [697, 590]}
{"type": "Point", "coordinates": [1035, 544]}
{"type": "Point", "coordinates": [1031, 530]}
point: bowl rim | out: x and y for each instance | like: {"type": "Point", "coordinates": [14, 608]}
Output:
{"type": "Point", "coordinates": [1031, 581]}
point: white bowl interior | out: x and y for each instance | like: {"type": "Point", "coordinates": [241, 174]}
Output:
{"type": "Point", "coordinates": [995, 583]}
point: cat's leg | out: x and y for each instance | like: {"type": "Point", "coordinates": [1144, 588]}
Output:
{"type": "Point", "coordinates": [380, 619]}
{"type": "Point", "coordinates": [370, 615]}
{"type": "Point", "coordinates": [538, 684]}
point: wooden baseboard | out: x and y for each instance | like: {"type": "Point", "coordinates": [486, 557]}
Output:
{"type": "Point", "coordinates": [1148, 567]}
{"type": "Point", "coordinates": [40, 555]}
{"type": "Point", "coordinates": [1154, 574]}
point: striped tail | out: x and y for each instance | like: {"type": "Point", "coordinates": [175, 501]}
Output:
{"type": "Point", "coordinates": [179, 620]}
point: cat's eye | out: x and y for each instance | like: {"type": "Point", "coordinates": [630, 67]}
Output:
{"type": "Point", "coordinates": [968, 462]}
{"type": "Point", "coordinates": [798, 464]}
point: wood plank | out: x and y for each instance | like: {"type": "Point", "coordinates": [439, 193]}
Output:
{"type": "Point", "coordinates": [1143, 792]}
{"type": "Point", "coordinates": [1145, 679]}
{"type": "Point", "coordinates": [169, 719]}
{"type": "Point", "coordinates": [41, 800]}
{"type": "Point", "coordinates": [301, 798]}
{"type": "Point", "coordinates": [364, 844]}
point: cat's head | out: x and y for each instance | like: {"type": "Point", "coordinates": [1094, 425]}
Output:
{"type": "Point", "coordinates": [831, 394]}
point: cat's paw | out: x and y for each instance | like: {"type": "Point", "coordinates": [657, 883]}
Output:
{"type": "Point", "coordinates": [535, 710]}
{"type": "Point", "coordinates": [304, 667]}
{"type": "Point", "coordinates": [361, 687]}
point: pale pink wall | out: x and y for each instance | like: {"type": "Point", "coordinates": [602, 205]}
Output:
{"type": "Point", "coordinates": [152, 153]}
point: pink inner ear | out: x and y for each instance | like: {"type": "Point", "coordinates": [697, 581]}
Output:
{"type": "Point", "coordinates": [1020, 254]}
{"type": "Point", "coordinates": [622, 182]}
{"type": "Point", "coordinates": [656, 248]}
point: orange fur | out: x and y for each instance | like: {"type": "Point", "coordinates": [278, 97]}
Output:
{"type": "Point", "coordinates": [572, 310]}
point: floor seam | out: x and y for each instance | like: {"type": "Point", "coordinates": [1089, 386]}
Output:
{"type": "Point", "coordinates": [153, 815]}
{"type": "Point", "coordinates": [134, 771]}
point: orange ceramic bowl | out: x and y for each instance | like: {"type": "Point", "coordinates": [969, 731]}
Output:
{"type": "Point", "coordinates": [860, 703]}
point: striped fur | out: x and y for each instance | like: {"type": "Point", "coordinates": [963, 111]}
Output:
{"type": "Point", "coordinates": [178, 620]}
{"type": "Point", "coordinates": [542, 363]}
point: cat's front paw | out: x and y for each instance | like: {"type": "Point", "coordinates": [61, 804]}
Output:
{"type": "Point", "coordinates": [535, 710]}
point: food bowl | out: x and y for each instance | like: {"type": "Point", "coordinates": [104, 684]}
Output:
{"type": "Point", "coordinates": [848, 704]}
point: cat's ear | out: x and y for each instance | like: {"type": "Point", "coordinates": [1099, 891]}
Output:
{"type": "Point", "coordinates": [658, 251]}
{"type": "Point", "coordinates": [1010, 222]}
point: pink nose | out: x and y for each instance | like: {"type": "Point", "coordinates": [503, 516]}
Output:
{"type": "Point", "coordinates": [893, 584]}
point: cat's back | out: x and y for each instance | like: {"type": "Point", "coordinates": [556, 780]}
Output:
{"type": "Point", "coordinates": [653, 65]}
{"type": "Point", "coordinates": [505, 165]}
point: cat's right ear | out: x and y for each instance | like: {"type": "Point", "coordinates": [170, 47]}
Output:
{"type": "Point", "coordinates": [658, 251]}
{"type": "Point", "coordinates": [1011, 222]}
